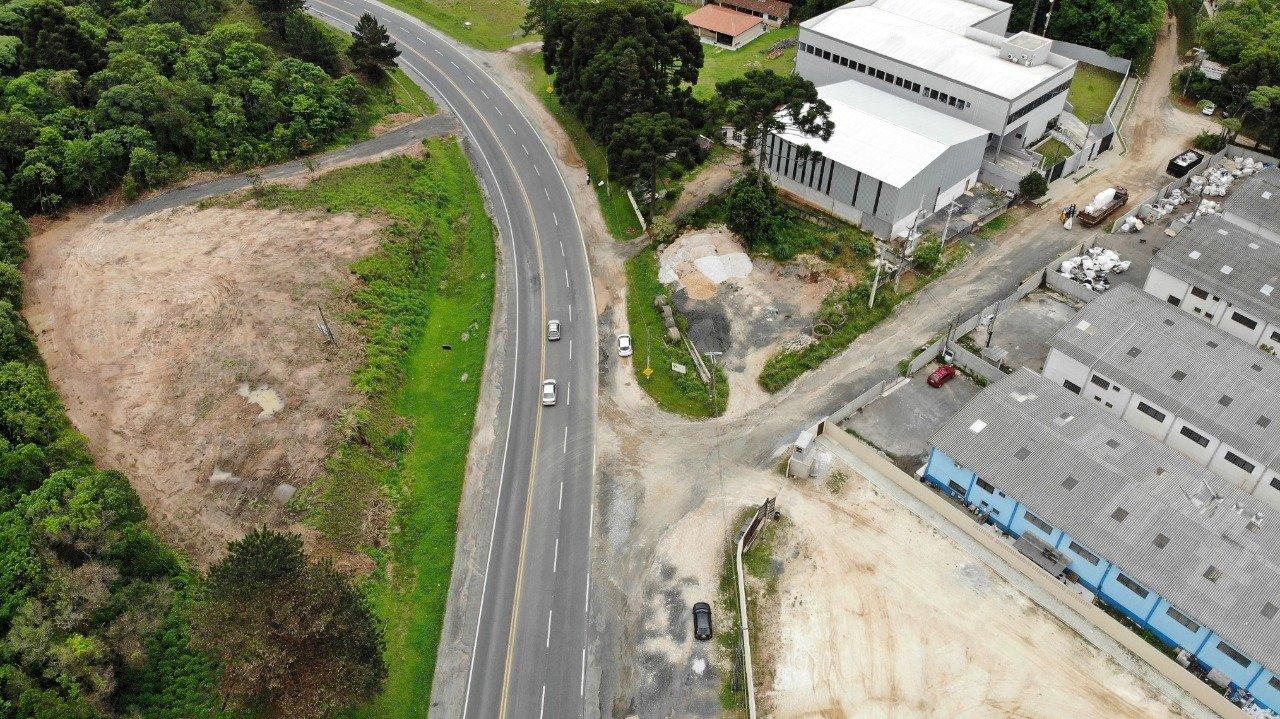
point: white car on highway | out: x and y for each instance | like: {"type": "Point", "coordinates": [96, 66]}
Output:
{"type": "Point", "coordinates": [548, 393]}
{"type": "Point", "coordinates": [624, 345]}
{"type": "Point", "coordinates": [553, 330]}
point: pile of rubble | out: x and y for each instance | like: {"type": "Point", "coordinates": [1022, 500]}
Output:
{"type": "Point", "coordinates": [1214, 183]}
{"type": "Point", "coordinates": [1094, 267]}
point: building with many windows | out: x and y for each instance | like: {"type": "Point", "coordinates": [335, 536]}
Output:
{"type": "Point", "coordinates": [1186, 383]}
{"type": "Point", "coordinates": [946, 67]}
{"type": "Point", "coordinates": [1175, 548]}
{"type": "Point", "coordinates": [1226, 276]}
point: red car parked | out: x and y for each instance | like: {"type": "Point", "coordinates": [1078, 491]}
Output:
{"type": "Point", "coordinates": [941, 376]}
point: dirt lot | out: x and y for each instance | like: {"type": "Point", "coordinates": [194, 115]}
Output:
{"type": "Point", "coordinates": [185, 347]}
{"type": "Point", "coordinates": [747, 316]}
{"type": "Point", "coordinates": [924, 629]}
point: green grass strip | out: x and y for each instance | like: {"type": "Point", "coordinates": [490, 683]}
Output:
{"type": "Point", "coordinates": [431, 282]}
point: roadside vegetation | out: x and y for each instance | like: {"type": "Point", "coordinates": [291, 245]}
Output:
{"type": "Point", "coordinates": [95, 98]}
{"type": "Point", "coordinates": [762, 584]}
{"type": "Point", "coordinates": [424, 310]}
{"type": "Point", "coordinates": [1092, 90]}
{"type": "Point", "coordinates": [685, 393]}
{"type": "Point", "coordinates": [485, 24]}
{"type": "Point", "coordinates": [845, 314]}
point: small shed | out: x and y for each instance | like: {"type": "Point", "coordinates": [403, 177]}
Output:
{"type": "Point", "coordinates": [717, 25]}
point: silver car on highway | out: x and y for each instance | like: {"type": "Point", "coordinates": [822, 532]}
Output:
{"type": "Point", "coordinates": [548, 393]}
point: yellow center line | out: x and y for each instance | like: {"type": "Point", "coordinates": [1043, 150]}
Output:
{"type": "Point", "coordinates": [537, 431]}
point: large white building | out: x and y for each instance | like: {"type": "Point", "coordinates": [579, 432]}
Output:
{"type": "Point", "coordinates": [1192, 386]}
{"type": "Point", "coordinates": [852, 176]}
{"type": "Point", "coordinates": [949, 59]}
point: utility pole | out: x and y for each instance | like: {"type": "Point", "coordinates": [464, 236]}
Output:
{"type": "Point", "coordinates": [711, 361]}
{"type": "Point", "coordinates": [876, 282]}
{"type": "Point", "coordinates": [950, 208]}
{"type": "Point", "coordinates": [991, 326]}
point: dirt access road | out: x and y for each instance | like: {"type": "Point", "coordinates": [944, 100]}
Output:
{"type": "Point", "coordinates": [670, 488]}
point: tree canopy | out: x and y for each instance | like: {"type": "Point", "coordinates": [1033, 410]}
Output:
{"type": "Point", "coordinates": [641, 146]}
{"type": "Point", "coordinates": [761, 102]}
{"type": "Point", "coordinates": [293, 638]}
{"type": "Point", "coordinates": [371, 49]}
{"type": "Point", "coordinates": [1124, 29]}
{"type": "Point", "coordinates": [616, 58]}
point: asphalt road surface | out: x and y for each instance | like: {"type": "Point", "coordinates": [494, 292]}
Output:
{"type": "Point", "coordinates": [529, 656]}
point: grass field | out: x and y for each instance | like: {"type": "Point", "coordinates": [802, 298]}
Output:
{"type": "Point", "coordinates": [1054, 151]}
{"type": "Point", "coordinates": [614, 205]}
{"type": "Point", "coordinates": [720, 64]}
{"type": "Point", "coordinates": [429, 283]}
{"type": "Point", "coordinates": [495, 24]}
{"type": "Point", "coordinates": [674, 392]}
{"type": "Point", "coordinates": [1092, 90]}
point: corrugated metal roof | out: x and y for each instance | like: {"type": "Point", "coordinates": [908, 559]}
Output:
{"type": "Point", "coordinates": [1182, 364]}
{"type": "Point", "coordinates": [1200, 252]}
{"type": "Point", "coordinates": [1207, 521]}
{"type": "Point", "coordinates": [776, 8]}
{"type": "Point", "coordinates": [1257, 199]}
{"type": "Point", "coordinates": [721, 19]}
{"type": "Point", "coordinates": [932, 37]}
{"type": "Point", "coordinates": [883, 135]}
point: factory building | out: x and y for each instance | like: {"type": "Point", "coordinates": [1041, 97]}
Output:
{"type": "Point", "coordinates": [1175, 548]}
{"type": "Point", "coordinates": [1255, 205]}
{"type": "Point", "coordinates": [1226, 276]}
{"type": "Point", "coordinates": [950, 59]}
{"type": "Point", "coordinates": [1182, 381]}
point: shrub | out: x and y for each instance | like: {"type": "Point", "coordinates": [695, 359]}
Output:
{"type": "Point", "coordinates": [928, 254]}
{"type": "Point", "coordinates": [1033, 186]}
{"type": "Point", "coordinates": [1210, 141]}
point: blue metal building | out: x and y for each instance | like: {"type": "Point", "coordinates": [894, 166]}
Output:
{"type": "Point", "coordinates": [1177, 549]}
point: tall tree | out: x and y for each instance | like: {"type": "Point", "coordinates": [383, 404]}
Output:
{"type": "Point", "coordinates": [293, 638]}
{"type": "Point", "coordinates": [274, 12]}
{"type": "Point", "coordinates": [762, 102]}
{"type": "Point", "coordinates": [641, 145]}
{"type": "Point", "coordinates": [371, 49]}
{"type": "Point", "coordinates": [616, 58]}
{"type": "Point", "coordinates": [53, 39]}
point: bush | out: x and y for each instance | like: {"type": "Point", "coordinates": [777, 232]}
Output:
{"type": "Point", "coordinates": [863, 246]}
{"type": "Point", "coordinates": [754, 212]}
{"type": "Point", "coordinates": [1033, 186]}
{"type": "Point", "coordinates": [928, 254]}
{"type": "Point", "coordinates": [1210, 141]}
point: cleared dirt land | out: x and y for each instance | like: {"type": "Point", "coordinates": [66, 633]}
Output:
{"type": "Point", "coordinates": [185, 346]}
{"type": "Point", "coordinates": [877, 615]}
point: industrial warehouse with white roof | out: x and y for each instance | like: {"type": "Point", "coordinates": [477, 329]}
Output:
{"type": "Point", "coordinates": [947, 69]}
{"type": "Point", "coordinates": [1181, 552]}
{"type": "Point", "coordinates": [1198, 389]}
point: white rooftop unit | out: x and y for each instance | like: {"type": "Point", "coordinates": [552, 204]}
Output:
{"type": "Point", "coordinates": [1026, 49]}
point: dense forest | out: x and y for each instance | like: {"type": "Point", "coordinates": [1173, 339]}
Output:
{"type": "Point", "coordinates": [99, 618]}
{"type": "Point", "coordinates": [106, 92]}
{"type": "Point", "coordinates": [1244, 35]}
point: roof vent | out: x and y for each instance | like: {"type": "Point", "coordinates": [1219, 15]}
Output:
{"type": "Point", "coordinates": [1070, 482]}
{"type": "Point", "coordinates": [1022, 454]}
{"type": "Point", "coordinates": [1168, 321]}
{"type": "Point", "coordinates": [1225, 401]}
{"type": "Point", "coordinates": [1264, 421]}
{"type": "Point", "coordinates": [1063, 419]}
{"type": "Point", "coordinates": [1194, 254]}
{"type": "Point", "coordinates": [1252, 245]}
{"type": "Point", "coordinates": [1179, 375]}
{"type": "Point", "coordinates": [1255, 522]}
{"type": "Point", "coordinates": [1212, 344]}
{"type": "Point", "coordinates": [1267, 290]}
{"type": "Point", "coordinates": [1160, 541]}
{"type": "Point", "coordinates": [1120, 514]}
{"type": "Point", "coordinates": [977, 426]}
{"type": "Point", "coordinates": [1134, 352]}
{"type": "Point", "coordinates": [1266, 194]}
{"type": "Point", "coordinates": [1213, 574]}
{"type": "Point", "coordinates": [1269, 610]}
{"type": "Point", "coordinates": [1226, 269]}
{"type": "Point", "coordinates": [1083, 325]}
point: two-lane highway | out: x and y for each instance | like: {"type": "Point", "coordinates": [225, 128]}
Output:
{"type": "Point", "coordinates": [529, 653]}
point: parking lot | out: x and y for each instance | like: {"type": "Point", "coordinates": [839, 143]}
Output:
{"type": "Point", "coordinates": [1024, 330]}
{"type": "Point", "coordinates": [901, 423]}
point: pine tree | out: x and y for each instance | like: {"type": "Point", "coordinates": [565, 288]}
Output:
{"type": "Point", "coordinates": [372, 50]}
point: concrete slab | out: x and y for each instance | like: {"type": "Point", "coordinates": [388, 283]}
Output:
{"type": "Point", "coordinates": [901, 423]}
{"type": "Point", "coordinates": [1024, 330]}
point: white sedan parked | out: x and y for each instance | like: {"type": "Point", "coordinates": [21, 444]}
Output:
{"type": "Point", "coordinates": [624, 345]}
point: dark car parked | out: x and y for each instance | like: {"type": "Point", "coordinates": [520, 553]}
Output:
{"type": "Point", "coordinates": [702, 621]}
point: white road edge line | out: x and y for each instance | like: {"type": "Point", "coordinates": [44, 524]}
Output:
{"type": "Point", "coordinates": [582, 239]}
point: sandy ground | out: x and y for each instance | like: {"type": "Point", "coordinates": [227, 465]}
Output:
{"type": "Point", "coordinates": [185, 347]}
{"type": "Point", "coordinates": [923, 629]}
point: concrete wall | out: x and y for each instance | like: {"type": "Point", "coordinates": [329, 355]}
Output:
{"type": "Point", "coordinates": [970, 362]}
{"type": "Point", "coordinates": [1091, 56]}
{"type": "Point", "coordinates": [871, 394]}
